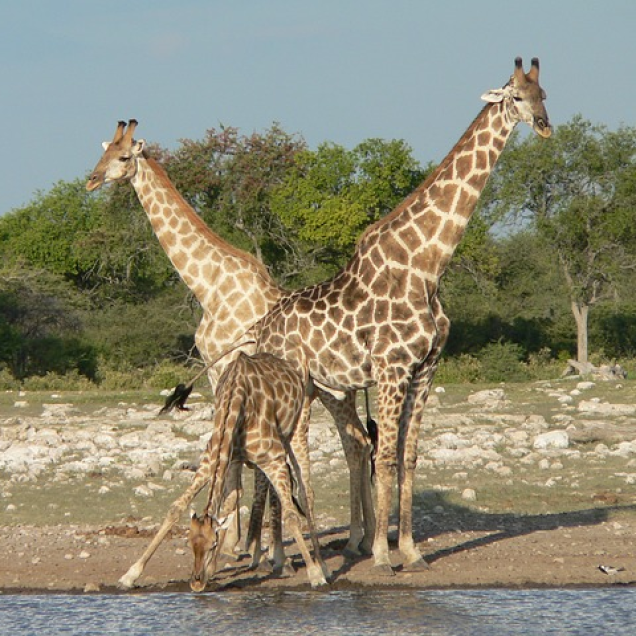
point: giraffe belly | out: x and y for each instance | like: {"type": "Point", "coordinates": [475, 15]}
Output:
{"type": "Point", "coordinates": [336, 371]}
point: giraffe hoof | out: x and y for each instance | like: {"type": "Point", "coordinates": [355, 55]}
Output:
{"type": "Point", "coordinates": [366, 549]}
{"type": "Point", "coordinates": [383, 569]}
{"type": "Point", "coordinates": [351, 555]}
{"type": "Point", "coordinates": [264, 567]}
{"type": "Point", "coordinates": [284, 571]}
{"type": "Point", "coordinates": [417, 566]}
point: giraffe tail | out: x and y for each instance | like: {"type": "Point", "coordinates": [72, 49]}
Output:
{"type": "Point", "coordinates": [177, 398]}
{"type": "Point", "coordinates": [372, 430]}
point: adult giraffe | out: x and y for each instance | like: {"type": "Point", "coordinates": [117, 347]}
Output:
{"type": "Point", "coordinates": [380, 321]}
{"type": "Point", "coordinates": [234, 290]}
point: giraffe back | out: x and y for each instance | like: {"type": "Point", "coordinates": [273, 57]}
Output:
{"type": "Point", "coordinates": [258, 404]}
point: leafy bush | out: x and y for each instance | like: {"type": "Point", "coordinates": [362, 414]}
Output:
{"type": "Point", "coordinates": [71, 381]}
{"type": "Point", "coordinates": [502, 362]}
{"type": "Point", "coordinates": [458, 370]}
{"type": "Point", "coordinates": [166, 375]}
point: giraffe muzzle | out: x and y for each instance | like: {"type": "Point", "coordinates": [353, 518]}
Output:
{"type": "Point", "coordinates": [542, 127]}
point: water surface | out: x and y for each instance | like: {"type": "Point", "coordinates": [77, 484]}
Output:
{"type": "Point", "coordinates": [448, 613]}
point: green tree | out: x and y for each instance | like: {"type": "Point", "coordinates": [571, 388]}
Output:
{"type": "Point", "coordinates": [578, 191]}
{"type": "Point", "coordinates": [228, 178]}
{"type": "Point", "coordinates": [49, 233]}
{"type": "Point", "coordinates": [331, 194]}
{"type": "Point", "coordinates": [40, 331]}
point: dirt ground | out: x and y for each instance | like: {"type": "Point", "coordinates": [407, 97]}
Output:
{"type": "Point", "coordinates": [547, 550]}
{"type": "Point", "coordinates": [63, 536]}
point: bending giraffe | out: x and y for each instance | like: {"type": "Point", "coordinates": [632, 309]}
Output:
{"type": "Point", "coordinates": [259, 403]}
{"type": "Point", "coordinates": [380, 321]}
{"type": "Point", "coordinates": [234, 290]}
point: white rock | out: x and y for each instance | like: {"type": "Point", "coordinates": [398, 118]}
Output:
{"type": "Point", "coordinates": [469, 494]}
{"type": "Point", "coordinates": [603, 408]}
{"type": "Point", "coordinates": [486, 396]}
{"type": "Point", "coordinates": [551, 439]}
{"type": "Point", "coordinates": [143, 491]}
{"type": "Point", "coordinates": [625, 449]}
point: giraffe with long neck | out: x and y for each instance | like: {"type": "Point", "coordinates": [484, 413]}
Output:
{"type": "Point", "coordinates": [380, 321]}
{"type": "Point", "coordinates": [234, 290]}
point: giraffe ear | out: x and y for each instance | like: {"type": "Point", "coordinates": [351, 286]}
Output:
{"type": "Point", "coordinates": [105, 144]}
{"type": "Point", "coordinates": [493, 96]}
{"type": "Point", "coordinates": [138, 147]}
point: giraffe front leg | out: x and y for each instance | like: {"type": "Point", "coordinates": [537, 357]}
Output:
{"type": "Point", "coordinates": [391, 392]}
{"type": "Point", "coordinates": [280, 564]}
{"type": "Point", "coordinates": [413, 560]}
{"type": "Point", "coordinates": [129, 579]}
{"type": "Point", "coordinates": [278, 473]}
{"type": "Point", "coordinates": [232, 495]}
{"type": "Point", "coordinates": [407, 452]}
{"type": "Point", "coordinates": [253, 543]}
{"type": "Point", "coordinates": [385, 474]}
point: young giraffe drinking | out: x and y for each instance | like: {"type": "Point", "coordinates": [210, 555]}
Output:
{"type": "Point", "coordinates": [380, 321]}
{"type": "Point", "coordinates": [259, 402]}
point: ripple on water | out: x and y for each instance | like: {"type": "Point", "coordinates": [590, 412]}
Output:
{"type": "Point", "coordinates": [368, 612]}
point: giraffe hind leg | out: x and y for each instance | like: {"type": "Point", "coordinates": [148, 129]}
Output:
{"type": "Point", "coordinates": [278, 473]}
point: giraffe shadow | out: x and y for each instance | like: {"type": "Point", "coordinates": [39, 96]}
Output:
{"type": "Point", "coordinates": [446, 517]}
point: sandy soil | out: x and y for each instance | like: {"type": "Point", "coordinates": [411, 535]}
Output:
{"type": "Point", "coordinates": [549, 550]}
{"type": "Point", "coordinates": [483, 544]}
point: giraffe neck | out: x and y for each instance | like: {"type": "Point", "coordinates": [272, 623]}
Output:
{"type": "Point", "coordinates": [201, 257]}
{"type": "Point", "coordinates": [425, 229]}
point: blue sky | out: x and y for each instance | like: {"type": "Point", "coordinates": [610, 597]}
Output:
{"type": "Point", "coordinates": [331, 70]}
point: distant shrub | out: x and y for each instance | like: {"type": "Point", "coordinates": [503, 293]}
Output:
{"type": "Point", "coordinates": [119, 377]}
{"type": "Point", "coordinates": [542, 365]}
{"type": "Point", "coordinates": [7, 381]}
{"type": "Point", "coordinates": [71, 381]}
{"type": "Point", "coordinates": [166, 375]}
{"type": "Point", "coordinates": [462, 369]}
{"type": "Point", "coordinates": [502, 362]}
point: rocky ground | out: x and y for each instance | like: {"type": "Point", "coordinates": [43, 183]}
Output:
{"type": "Point", "coordinates": [518, 485]}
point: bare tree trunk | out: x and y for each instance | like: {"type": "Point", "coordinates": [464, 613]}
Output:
{"type": "Point", "coordinates": [580, 311]}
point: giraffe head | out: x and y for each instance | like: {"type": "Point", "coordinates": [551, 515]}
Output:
{"type": "Point", "coordinates": [524, 97]}
{"type": "Point", "coordinates": [119, 161]}
{"type": "Point", "coordinates": [205, 534]}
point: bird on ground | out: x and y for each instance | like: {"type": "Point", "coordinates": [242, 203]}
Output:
{"type": "Point", "coordinates": [610, 570]}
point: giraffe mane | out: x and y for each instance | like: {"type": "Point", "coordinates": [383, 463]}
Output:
{"type": "Point", "coordinates": [413, 196]}
{"type": "Point", "coordinates": [200, 224]}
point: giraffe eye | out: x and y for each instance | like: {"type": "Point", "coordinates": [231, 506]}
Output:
{"type": "Point", "coordinates": [124, 158]}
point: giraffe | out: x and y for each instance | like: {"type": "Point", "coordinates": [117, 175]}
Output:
{"type": "Point", "coordinates": [260, 399]}
{"type": "Point", "coordinates": [379, 320]}
{"type": "Point", "coordinates": [234, 290]}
